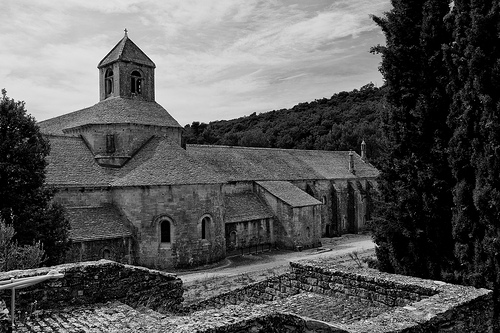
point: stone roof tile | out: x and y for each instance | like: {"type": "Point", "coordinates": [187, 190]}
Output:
{"type": "Point", "coordinates": [245, 207]}
{"type": "Point", "coordinates": [126, 50]}
{"type": "Point", "coordinates": [162, 162]}
{"type": "Point", "coordinates": [243, 163]}
{"type": "Point", "coordinates": [289, 193]}
{"type": "Point", "coordinates": [110, 111]}
{"type": "Point", "coordinates": [92, 223]}
{"type": "Point", "coordinates": [71, 163]}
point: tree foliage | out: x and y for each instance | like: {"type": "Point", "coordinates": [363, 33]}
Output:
{"type": "Point", "coordinates": [25, 200]}
{"type": "Point", "coordinates": [13, 256]}
{"type": "Point", "coordinates": [474, 65]}
{"type": "Point", "coordinates": [413, 217]}
{"type": "Point", "coordinates": [338, 123]}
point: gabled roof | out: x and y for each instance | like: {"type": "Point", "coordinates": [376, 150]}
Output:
{"type": "Point", "coordinates": [70, 163]}
{"type": "Point", "coordinates": [289, 193]}
{"type": "Point", "coordinates": [245, 207]}
{"type": "Point", "coordinates": [92, 223]}
{"type": "Point", "coordinates": [114, 110]}
{"type": "Point", "coordinates": [243, 163]}
{"type": "Point", "coordinates": [162, 162]}
{"type": "Point", "coordinates": [126, 50]}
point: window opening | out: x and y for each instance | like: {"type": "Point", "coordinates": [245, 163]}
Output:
{"type": "Point", "coordinates": [205, 223]}
{"type": "Point", "coordinates": [165, 231]}
{"type": "Point", "coordinates": [232, 238]}
{"type": "Point", "coordinates": [203, 231]}
{"type": "Point", "coordinates": [108, 82]}
{"type": "Point", "coordinates": [106, 254]}
{"type": "Point", "coordinates": [136, 83]}
{"type": "Point", "coordinates": [110, 143]}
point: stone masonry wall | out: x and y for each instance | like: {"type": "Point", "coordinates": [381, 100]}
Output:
{"type": "Point", "coordinates": [119, 250]}
{"type": "Point", "coordinates": [83, 197]}
{"type": "Point", "coordinates": [336, 283]}
{"type": "Point", "coordinates": [413, 305]}
{"type": "Point", "coordinates": [184, 206]}
{"type": "Point", "coordinates": [95, 282]}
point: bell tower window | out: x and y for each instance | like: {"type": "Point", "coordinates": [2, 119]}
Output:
{"type": "Point", "coordinates": [108, 82]}
{"type": "Point", "coordinates": [136, 83]}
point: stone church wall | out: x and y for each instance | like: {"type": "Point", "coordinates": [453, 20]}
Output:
{"type": "Point", "coordinates": [128, 138]}
{"type": "Point", "coordinates": [116, 249]}
{"type": "Point", "coordinates": [248, 234]}
{"type": "Point", "coordinates": [83, 197]}
{"type": "Point", "coordinates": [295, 227]}
{"type": "Point", "coordinates": [322, 191]}
{"type": "Point", "coordinates": [350, 202]}
{"type": "Point", "coordinates": [184, 206]}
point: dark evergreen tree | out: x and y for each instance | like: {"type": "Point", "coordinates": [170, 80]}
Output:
{"type": "Point", "coordinates": [25, 200]}
{"type": "Point", "coordinates": [474, 64]}
{"type": "Point", "coordinates": [412, 225]}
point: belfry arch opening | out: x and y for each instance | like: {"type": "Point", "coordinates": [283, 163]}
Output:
{"type": "Point", "coordinates": [136, 83]}
{"type": "Point", "coordinates": [108, 82]}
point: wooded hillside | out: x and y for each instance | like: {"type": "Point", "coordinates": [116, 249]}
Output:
{"type": "Point", "coordinates": [340, 122]}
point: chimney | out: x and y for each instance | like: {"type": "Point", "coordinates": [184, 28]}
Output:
{"type": "Point", "coordinates": [351, 162]}
{"type": "Point", "coordinates": [363, 150]}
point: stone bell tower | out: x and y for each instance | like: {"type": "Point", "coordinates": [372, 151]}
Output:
{"type": "Point", "coordinates": [127, 72]}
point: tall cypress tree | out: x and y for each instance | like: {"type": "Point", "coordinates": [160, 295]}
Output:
{"type": "Point", "coordinates": [412, 225]}
{"type": "Point", "coordinates": [474, 62]}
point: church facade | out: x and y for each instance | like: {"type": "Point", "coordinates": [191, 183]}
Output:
{"type": "Point", "coordinates": [135, 193]}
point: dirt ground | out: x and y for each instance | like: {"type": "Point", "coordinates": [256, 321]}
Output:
{"type": "Point", "coordinates": [237, 272]}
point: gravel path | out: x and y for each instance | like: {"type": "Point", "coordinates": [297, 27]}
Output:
{"type": "Point", "coordinates": [259, 263]}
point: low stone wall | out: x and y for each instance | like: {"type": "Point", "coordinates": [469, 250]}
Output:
{"type": "Point", "coordinates": [339, 283]}
{"type": "Point", "coordinates": [349, 282]}
{"type": "Point", "coordinates": [95, 282]}
{"type": "Point", "coordinates": [411, 305]}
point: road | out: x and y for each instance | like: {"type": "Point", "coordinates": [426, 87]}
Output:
{"type": "Point", "coordinates": [259, 263]}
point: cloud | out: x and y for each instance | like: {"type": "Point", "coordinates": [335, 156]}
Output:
{"type": "Point", "coordinates": [215, 59]}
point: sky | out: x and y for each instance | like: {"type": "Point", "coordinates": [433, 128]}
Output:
{"type": "Point", "coordinates": [215, 59]}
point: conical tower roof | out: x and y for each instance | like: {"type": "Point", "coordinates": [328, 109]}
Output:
{"type": "Point", "coordinates": [126, 50]}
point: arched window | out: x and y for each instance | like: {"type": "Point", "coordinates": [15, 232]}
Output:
{"type": "Point", "coordinates": [165, 231]}
{"type": "Point", "coordinates": [206, 222]}
{"type": "Point", "coordinates": [232, 238]}
{"type": "Point", "coordinates": [203, 229]}
{"type": "Point", "coordinates": [136, 83]}
{"type": "Point", "coordinates": [108, 82]}
{"type": "Point", "coordinates": [106, 254]}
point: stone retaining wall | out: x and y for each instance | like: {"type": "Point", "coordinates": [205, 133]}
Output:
{"type": "Point", "coordinates": [412, 305]}
{"type": "Point", "coordinates": [95, 282]}
{"type": "Point", "coordinates": [320, 280]}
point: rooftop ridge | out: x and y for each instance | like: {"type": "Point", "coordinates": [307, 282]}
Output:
{"type": "Point", "coordinates": [117, 54]}
{"type": "Point", "coordinates": [266, 148]}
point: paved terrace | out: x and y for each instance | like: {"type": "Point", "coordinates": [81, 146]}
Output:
{"type": "Point", "coordinates": [119, 317]}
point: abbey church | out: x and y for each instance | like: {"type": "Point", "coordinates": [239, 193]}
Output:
{"type": "Point", "coordinates": [134, 192]}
